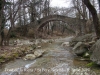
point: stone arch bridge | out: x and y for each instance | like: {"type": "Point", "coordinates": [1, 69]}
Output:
{"type": "Point", "coordinates": [69, 20]}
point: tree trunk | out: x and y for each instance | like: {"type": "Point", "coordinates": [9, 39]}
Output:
{"type": "Point", "coordinates": [84, 16]}
{"type": "Point", "coordinates": [7, 38]}
{"type": "Point", "coordinates": [94, 15]}
{"type": "Point", "coordinates": [1, 17]}
{"type": "Point", "coordinates": [0, 23]}
{"type": "Point", "coordinates": [0, 32]}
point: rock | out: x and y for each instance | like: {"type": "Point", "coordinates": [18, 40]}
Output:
{"type": "Point", "coordinates": [87, 38]}
{"type": "Point", "coordinates": [86, 55]}
{"type": "Point", "coordinates": [32, 40]}
{"type": "Point", "coordinates": [82, 44]}
{"type": "Point", "coordinates": [44, 41]}
{"type": "Point", "coordinates": [80, 51]}
{"type": "Point", "coordinates": [34, 46]}
{"type": "Point", "coordinates": [38, 53]}
{"type": "Point", "coordinates": [29, 57]}
{"type": "Point", "coordinates": [18, 41]}
{"type": "Point", "coordinates": [15, 42]}
{"type": "Point", "coordinates": [14, 73]}
{"type": "Point", "coordinates": [28, 50]}
{"type": "Point", "coordinates": [36, 42]}
{"type": "Point", "coordinates": [38, 47]}
{"type": "Point", "coordinates": [82, 59]}
{"type": "Point", "coordinates": [50, 41]}
{"type": "Point", "coordinates": [65, 44]}
{"type": "Point", "coordinates": [95, 52]}
{"type": "Point", "coordinates": [77, 45]}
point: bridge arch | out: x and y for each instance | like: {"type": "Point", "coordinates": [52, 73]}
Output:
{"type": "Point", "coordinates": [69, 20]}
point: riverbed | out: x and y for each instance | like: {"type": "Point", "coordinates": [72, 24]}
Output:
{"type": "Point", "coordinates": [57, 60]}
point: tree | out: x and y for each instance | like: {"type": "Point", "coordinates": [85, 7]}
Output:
{"type": "Point", "coordinates": [94, 16]}
{"type": "Point", "coordinates": [12, 15]}
{"type": "Point", "coordinates": [2, 3]}
{"type": "Point", "coordinates": [99, 5]}
{"type": "Point", "coordinates": [81, 13]}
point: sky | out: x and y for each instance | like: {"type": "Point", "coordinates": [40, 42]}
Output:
{"type": "Point", "coordinates": [60, 3]}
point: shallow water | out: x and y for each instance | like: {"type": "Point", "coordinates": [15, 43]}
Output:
{"type": "Point", "coordinates": [57, 60]}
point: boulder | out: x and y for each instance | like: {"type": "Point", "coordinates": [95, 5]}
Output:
{"type": "Point", "coordinates": [84, 38]}
{"type": "Point", "coordinates": [79, 48]}
{"type": "Point", "coordinates": [95, 52]}
{"type": "Point", "coordinates": [80, 51]}
{"type": "Point", "coordinates": [77, 45]}
{"type": "Point", "coordinates": [65, 44]}
{"type": "Point", "coordinates": [38, 53]}
{"type": "Point", "coordinates": [29, 57]}
{"type": "Point", "coordinates": [83, 43]}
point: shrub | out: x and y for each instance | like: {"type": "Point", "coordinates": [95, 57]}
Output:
{"type": "Point", "coordinates": [13, 35]}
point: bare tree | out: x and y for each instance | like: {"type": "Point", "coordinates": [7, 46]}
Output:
{"type": "Point", "coordinates": [12, 15]}
{"type": "Point", "coordinates": [94, 15]}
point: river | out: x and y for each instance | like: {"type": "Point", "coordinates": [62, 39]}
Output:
{"type": "Point", "coordinates": [57, 60]}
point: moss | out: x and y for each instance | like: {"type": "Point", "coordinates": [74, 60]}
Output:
{"type": "Point", "coordinates": [2, 60]}
{"type": "Point", "coordinates": [15, 55]}
{"type": "Point", "coordinates": [10, 57]}
{"type": "Point", "coordinates": [1, 57]}
{"type": "Point", "coordinates": [92, 64]}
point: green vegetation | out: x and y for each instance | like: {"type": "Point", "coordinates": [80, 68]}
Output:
{"type": "Point", "coordinates": [92, 64]}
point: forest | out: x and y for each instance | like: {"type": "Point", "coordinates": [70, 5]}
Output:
{"type": "Point", "coordinates": [20, 18]}
{"type": "Point", "coordinates": [32, 29]}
